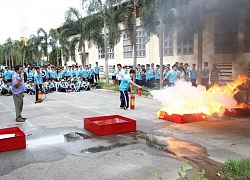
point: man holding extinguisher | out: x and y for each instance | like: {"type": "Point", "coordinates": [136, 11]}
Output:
{"type": "Point", "coordinates": [123, 88]}
{"type": "Point", "coordinates": [38, 82]}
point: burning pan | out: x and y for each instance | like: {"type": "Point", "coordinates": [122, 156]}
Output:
{"type": "Point", "coordinates": [237, 112]}
{"type": "Point", "coordinates": [186, 118]}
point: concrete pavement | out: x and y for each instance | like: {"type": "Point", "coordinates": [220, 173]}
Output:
{"type": "Point", "coordinates": [59, 148]}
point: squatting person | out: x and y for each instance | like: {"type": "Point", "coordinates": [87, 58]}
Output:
{"type": "Point", "coordinates": [123, 88]}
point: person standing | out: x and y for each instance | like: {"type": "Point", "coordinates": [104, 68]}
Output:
{"type": "Point", "coordinates": [193, 74]}
{"type": "Point", "coordinates": [172, 75]}
{"type": "Point", "coordinates": [38, 82]}
{"type": "Point", "coordinates": [119, 73]}
{"type": "Point", "coordinates": [123, 88]}
{"type": "Point", "coordinates": [17, 90]}
{"type": "Point", "coordinates": [97, 70]}
{"type": "Point", "coordinates": [215, 73]}
{"type": "Point", "coordinates": [205, 75]}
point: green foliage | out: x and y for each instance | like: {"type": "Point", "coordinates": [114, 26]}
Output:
{"type": "Point", "coordinates": [183, 173]}
{"type": "Point", "coordinates": [237, 168]}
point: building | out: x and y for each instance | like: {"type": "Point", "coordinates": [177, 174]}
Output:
{"type": "Point", "coordinates": [226, 41]}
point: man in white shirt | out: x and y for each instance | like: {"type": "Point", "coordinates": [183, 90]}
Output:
{"type": "Point", "coordinates": [119, 73]}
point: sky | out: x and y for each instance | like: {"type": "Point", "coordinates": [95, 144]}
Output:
{"type": "Point", "coordinates": [20, 18]}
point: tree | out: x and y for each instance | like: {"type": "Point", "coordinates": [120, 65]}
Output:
{"type": "Point", "coordinates": [34, 45]}
{"type": "Point", "coordinates": [54, 43]}
{"type": "Point", "coordinates": [104, 10]}
{"type": "Point", "coordinates": [44, 38]}
{"type": "Point", "coordinates": [161, 16]}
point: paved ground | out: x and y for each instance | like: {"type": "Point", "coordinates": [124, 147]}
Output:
{"type": "Point", "coordinates": [59, 148]}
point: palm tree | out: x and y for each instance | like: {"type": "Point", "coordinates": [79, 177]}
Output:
{"type": "Point", "coordinates": [158, 17]}
{"type": "Point", "coordinates": [108, 21]}
{"type": "Point", "coordinates": [44, 38]}
{"type": "Point", "coordinates": [34, 45]}
{"type": "Point", "coordinates": [53, 42]}
{"type": "Point", "coordinates": [74, 28]}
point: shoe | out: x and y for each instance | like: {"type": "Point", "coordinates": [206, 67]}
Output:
{"type": "Point", "coordinates": [23, 118]}
{"type": "Point", "coordinates": [20, 120]}
{"type": "Point", "coordinates": [125, 108]}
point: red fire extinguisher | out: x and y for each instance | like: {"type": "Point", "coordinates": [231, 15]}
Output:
{"type": "Point", "coordinates": [132, 101]}
{"type": "Point", "coordinates": [39, 96]}
{"type": "Point", "coordinates": [139, 92]}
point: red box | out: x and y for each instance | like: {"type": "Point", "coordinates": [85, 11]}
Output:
{"type": "Point", "coordinates": [113, 124]}
{"type": "Point", "coordinates": [186, 118]}
{"type": "Point", "coordinates": [237, 112]}
{"type": "Point", "coordinates": [12, 138]}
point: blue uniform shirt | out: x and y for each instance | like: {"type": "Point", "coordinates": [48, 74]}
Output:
{"type": "Point", "coordinates": [173, 75]}
{"type": "Point", "coordinates": [125, 83]}
{"type": "Point", "coordinates": [157, 74]}
{"type": "Point", "coordinates": [193, 73]}
{"type": "Point", "coordinates": [38, 77]}
{"type": "Point", "coordinates": [97, 69]}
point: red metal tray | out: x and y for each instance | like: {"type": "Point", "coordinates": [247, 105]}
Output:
{"type": "Point", "coordinates": [12, 138]}
{"type": "Point", "coordinates": [113, 124]}
{"type": "Point", "coordinates": [186, 118]}
{"type": "Point", "coordinates": [237, 112]}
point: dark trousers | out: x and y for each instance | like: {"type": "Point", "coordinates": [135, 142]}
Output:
{"type": "Point", "coordinates": [193, 81]}
{"type": "Point", "coordinates": [144, 82]}
{"type": "Point", "coordinates": [151, 82]}
{"type": "Point", "coordinates": [97, 77]}
{"type": "Point", "coordinates": [37, 89]}
{"type": "Point", "coordinates": [124, 99]}
{"type": "Point", "coordinates": [204, 82]}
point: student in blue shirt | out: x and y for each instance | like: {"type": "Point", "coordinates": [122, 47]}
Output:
{"type": "Point", "coordinates": [8, 75]}
{"type": "Point", "coordinates": [70, 73]}
{"type": "Point", "coordinates": [173, 75]}
{"type": "Point", "coordinates": [97, 70]}
{"type": "Point", "coordinates": [193, 74]}
{"type": "Point", "coordinates": [85, 73]}
{"type": "Point", "coordinates": [38, 82]}
{"type": "Point", "coordinates": [123, 88]}
{"type": "Point", "coordinates": [30, 75]}
{"type": "Point", "coordinates": [53, 73]}
{"type": "Point", "coordinates": [205, 75]}
{"type": "Point", "coordinates": [2, 74]}
{"type": "Point", "coordinates": [152, 77]}
{"type": "Point", "coordinates": [91, 75]}
{"type": "Point", "coordinates": [148, 76]}
{"type": "Point", "coordinates": [76, 72]}
{"type": "Point", "coordinates": [138, 78]}
{"type": "Point", "coordinates": [187, 72]}
{"type": "Point", "coordinates": [113, 71]}
{"type": "Point", "coordinates": [157, 74]}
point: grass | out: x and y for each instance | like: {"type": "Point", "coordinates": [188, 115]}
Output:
{"type": "Point", "coordinates": [237, 169]}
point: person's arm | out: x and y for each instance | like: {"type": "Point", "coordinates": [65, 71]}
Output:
{"type": "Point", "coordinates": [165, 77]}
{"type": "Point", "coordinates": [132, 83]}
{"type": "Point", "coordinates": [17, 82]}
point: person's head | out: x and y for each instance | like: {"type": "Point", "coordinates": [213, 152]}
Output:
{"type": "Point", "coordinates": [8, 83]}
{"type": "Point", "coordinates": [177, 63]}
{"type": "Point", "coordinates": [89, 65]}
{"type": "Point", "coordinates": [181, 64]}
{"type": "Point", "coordinates": [186, 65]}
{"type": "Point", "coordinates": [114, 66]}
{"type": "Point", "coordinates": [96, 63]}
{"type": "Point", "coordinates": [86, 67]}
{"type": "Point", "coordinates": [168, 66]}
{"type": "Point", "coordinates": [49, 81]}
{"type": "Point", "coordinates": [132, 73]}
{"type": "Point", "coordinates": [119, 66]}
{"type": "Point", "coordinates": [206, 64]}
{"type": "Point", "coordinates": [38, 69]}
{"type": "Point", "coordinates": [148, 66]}
{"type": "Point", "coordinates": [157, 66]}
{"type": "Point", "coordinates": [214, 65]}
{"type": "Point", "coordinates": [86, 80]}
{"type": "Point", "coordinates": [7, 68]}
{"type": "Point", "coordinates": [152, 65]}
{"type": "Point", "coordinates": [19, 68]}
{"type": "Point", "coordinates": [174, 67]}
{"type": "Point", "coordinates": [194, 65]}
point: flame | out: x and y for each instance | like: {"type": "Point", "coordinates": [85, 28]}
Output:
{"type": "Point", "coordinates": [213, 101]}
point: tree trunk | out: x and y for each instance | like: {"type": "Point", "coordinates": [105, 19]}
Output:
{"type": "Point", "coordinates": [57, 60]}
{"type": "Point", "coordinates": [83, 54]}
{"type": "Point", "coordinates": [200, 43]}
{"type": "Point", "coordinates": [106, 51]}
{"type": "Point", "coordinates": [12, 63]}
{"type": "Point", "coordinates": [134, 45]}
{"type": "Point", "coordinates": [161, 52]}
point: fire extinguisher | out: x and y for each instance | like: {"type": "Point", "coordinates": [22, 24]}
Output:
{"type": "Point", "coordinates": [132, 101]}
{"type": "Point", "coordinates": [139, 92]}
{"type": "Point", "coordinates": [39, 96]}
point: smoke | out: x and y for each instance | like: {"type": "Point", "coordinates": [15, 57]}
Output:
{"type": "Point", "coordinates": [186, 99]}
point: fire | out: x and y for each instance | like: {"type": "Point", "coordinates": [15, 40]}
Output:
{"type": "Point", "coordinates": [183, 99]}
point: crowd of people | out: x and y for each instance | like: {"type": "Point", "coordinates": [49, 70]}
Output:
{"type": "Point", "coordinates": [77, 78]}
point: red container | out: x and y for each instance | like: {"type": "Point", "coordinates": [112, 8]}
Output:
{"type": "Point", "coordinates": [237, 112]}
{"type": "Point", "coordinates": [12, 138]}
{"type": "Point", "coordinates": [113, 124]}
{"type": "Point", "coordinates": [186, 118]}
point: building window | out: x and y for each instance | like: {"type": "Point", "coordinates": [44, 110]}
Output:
{"type": "Point", "coordinates": [185, 43]}
{"type": "Point", "coordinates": [225, 33]}
{"type": "Point", "coordinates": [140, 45]}
{"type": "Point", "coordinates": [111, 52]}
{"type": "Point", "coordinates": [168, 45]}
{"type": "Point", "coordinates": [247, 31]}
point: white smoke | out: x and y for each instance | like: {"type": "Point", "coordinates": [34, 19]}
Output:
{"type": "Point", "coordinates": [184, 98]}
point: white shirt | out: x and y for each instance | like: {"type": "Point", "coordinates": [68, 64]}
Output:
{"type": "Point", "coordinates": [120, 74]}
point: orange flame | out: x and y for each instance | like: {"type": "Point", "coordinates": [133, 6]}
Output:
{"type": "Point", "coordinates": [215, 100]}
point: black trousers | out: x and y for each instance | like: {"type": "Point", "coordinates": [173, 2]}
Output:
{"type": "Point", "coordinates": [37, 89]}
{"type": "Point", "coordinates": [193, 81]}
{"type": "Point", "coordinates": [97, 78]}
{"type": "Point", "coordinates": [204, 82]}
{"type": "Point", "coordinates": [124, 99]}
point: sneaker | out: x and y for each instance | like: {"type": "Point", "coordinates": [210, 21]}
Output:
{"type": "Point", "coordinates": [20, 120]}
